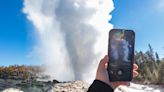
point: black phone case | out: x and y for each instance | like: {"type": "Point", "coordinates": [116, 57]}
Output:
{"type": "Point", "coordinates": [121, 71]}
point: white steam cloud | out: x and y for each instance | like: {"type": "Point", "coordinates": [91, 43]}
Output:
{"type": "Point", "coordinates": [123, 53]}
{"type": "Point", "coordinates": [72, 35]}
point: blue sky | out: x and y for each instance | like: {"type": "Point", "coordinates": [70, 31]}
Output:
{"type": "Point", "coordinates": [144, 16]}
{"type": "Point", "coordinates": [15, 41]}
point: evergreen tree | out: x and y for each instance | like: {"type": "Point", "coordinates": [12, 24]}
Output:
{"type": "Point", "coordinates": [157, 57]}
{"type": "Point", "coordinates": [150, 53]}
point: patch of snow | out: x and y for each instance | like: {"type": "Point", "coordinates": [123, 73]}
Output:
{"type": "Point", "coordinates": [139, 88]}
{"type": "Point", "coordinates": [12, 90]}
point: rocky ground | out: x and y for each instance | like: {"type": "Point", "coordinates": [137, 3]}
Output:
{"type": "Point", "coordinates": [76, 86]}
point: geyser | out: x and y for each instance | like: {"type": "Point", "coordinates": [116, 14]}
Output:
{"type": "Point", "coordinates": [72, 35]}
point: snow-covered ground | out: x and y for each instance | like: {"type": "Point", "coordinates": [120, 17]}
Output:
{"type": "Point", "coordinates": [12, 90]}
{"type": "Point", "coordinates": [139, 88]}
{"type": "Point", "coordinates": [79, 86]}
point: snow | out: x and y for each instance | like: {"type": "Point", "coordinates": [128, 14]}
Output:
{"type": "Point", "coordinates": [12, 90]}
{"type": "Point", "coordinates": [139, 88]}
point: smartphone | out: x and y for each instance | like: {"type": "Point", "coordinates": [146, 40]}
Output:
{"type": "Point", "coordinates": [121, 54]}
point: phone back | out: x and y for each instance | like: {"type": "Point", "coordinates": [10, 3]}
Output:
{"type": "Point", "coordinates": [121, 54]}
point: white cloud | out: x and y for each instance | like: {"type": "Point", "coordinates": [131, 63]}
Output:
{"type": "Point", "coordinates": [160, 5]}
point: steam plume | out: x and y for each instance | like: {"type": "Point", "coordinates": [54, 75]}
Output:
{"type": "Point", "coordinates": [72, 35]}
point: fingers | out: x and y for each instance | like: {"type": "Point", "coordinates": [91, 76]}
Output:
{"type": "Point", "coordinates": [104, 61]}
{"type": "Point", "coordinates": [135, 73]}
{"type": "Point", "coordinates": [115, 84]}
{"type": "Point", "coordinates": [124, 83]}
{"type": "Point", "coordinates": [121, 83]}
{"type": "Point", "coordinates": [135, 66]}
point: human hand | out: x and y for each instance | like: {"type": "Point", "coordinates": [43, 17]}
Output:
{"type": "Point", "coordinates": [102, 73]}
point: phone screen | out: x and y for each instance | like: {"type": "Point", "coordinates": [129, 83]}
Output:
{"type": "Point", "coordinates": [121, 53]}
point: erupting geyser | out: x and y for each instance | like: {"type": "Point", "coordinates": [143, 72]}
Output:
{"type": "Point", "coordinates": [72, 35]}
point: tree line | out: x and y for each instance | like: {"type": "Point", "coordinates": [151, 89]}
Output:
{"type": "Point", "coordinates": [19, 72]}
{"type": "Point", "coordinates": [150, 67]}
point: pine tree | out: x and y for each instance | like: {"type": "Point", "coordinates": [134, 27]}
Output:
{"type": "Point", "coordinates": [157, 58]}
{"type": "Point", "coordinates": [150, 53]}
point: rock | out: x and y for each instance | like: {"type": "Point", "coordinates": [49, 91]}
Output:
{"type": "Point", "coordinates": [77, 86]}
{"type": "Point", "coordinates": [55, 81]}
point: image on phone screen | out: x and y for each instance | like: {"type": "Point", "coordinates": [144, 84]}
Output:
{"type": "Point", "coordinates": [121, 52]}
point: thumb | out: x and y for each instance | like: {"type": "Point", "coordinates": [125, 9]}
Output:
{"type": "Point", "coordinates": [103, 62]}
